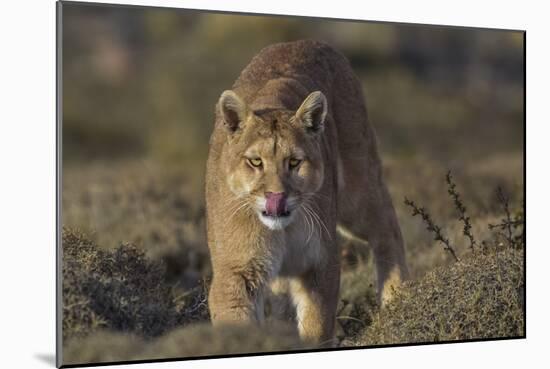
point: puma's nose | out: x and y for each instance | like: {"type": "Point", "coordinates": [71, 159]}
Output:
{"type": "Point", "coordinates": [275, 204]}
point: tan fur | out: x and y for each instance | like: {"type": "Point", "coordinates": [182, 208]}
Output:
{"type": "Point", "coordinates": [295, 100]}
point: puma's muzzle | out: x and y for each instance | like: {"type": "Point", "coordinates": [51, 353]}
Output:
{"type": "Point", "coordinates": [276, 204]}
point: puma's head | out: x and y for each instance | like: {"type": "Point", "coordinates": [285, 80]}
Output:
{"type": "Point", "coordinates": [274, 157]}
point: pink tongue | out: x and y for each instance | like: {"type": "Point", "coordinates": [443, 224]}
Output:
{"type": "Point", "coordinates": [275, 204]}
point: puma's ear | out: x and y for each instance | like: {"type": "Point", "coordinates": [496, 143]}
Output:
{"type": "Point", "coordinates": [233, 110]}
{"type": "Point", "coordinates": [312, 112]}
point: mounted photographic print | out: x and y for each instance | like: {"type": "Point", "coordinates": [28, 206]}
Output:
{"type": "Point", "coordinates": [242, 184]}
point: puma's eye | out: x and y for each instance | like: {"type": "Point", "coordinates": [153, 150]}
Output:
{"type": "Point", "coordinates": [293, 163]}
{"type": "Point", "coordinates": [256, 162]}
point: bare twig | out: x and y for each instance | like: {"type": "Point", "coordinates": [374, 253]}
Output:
{"type": "Point", "coordinates": [459, 205]}
{"type": "Point", "coordinates": [509, 225]}
{"type": "Point", "coordinates": [504, 200]}
{"type": "Point", "coordinates": [431, 226]}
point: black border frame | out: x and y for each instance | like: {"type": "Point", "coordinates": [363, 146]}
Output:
{"type": "Point", "coordinates": [58, 184]}
{"type": "Point", "coordinates": [59, 177]}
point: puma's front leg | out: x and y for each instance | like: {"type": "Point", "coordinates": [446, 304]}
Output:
{"type": "Point", "coordinates": [234, 299]}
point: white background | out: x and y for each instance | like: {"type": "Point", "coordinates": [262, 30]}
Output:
{"type": "Point", "coordinates": [27, 182]}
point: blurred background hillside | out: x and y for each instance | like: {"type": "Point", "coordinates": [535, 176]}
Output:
{"type": "Point", "coordinates": [139, 89]}
{"type": "Point", "coordinates": [143, 82]}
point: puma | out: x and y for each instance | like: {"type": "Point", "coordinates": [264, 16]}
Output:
{"type": "Point", "coordinates": [292, 158]}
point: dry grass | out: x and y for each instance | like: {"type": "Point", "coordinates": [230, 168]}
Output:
{"type": "Point", "coordinates": [422, 179]}
{"type": "Point", "coordinates": [193, 341]}
{"type": "Point", "coordinates": [158, 209]}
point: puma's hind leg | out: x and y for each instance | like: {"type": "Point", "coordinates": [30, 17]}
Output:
{"type": "Point", "coordinates": [366, 212]}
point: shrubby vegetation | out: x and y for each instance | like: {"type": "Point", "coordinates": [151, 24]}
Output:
{"type": "Point", "coordinates": [119, 290]}
{"type": "Point", "coordinates": [477, 297]}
